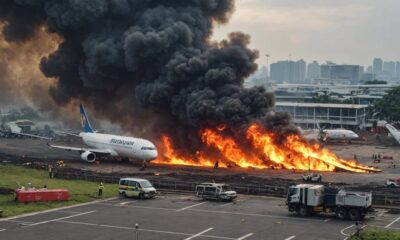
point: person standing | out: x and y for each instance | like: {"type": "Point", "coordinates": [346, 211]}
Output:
{"type": "Point", "coordinates": [50, 171]}
{"type": "Point", "coordinates": [101, 187]}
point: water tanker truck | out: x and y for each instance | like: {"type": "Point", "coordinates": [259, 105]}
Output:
{"type": "Point", "coordinates": [307, 199]}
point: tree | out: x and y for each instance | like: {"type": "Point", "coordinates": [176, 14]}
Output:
{"type": "Point", "coordinates": [389, 106]}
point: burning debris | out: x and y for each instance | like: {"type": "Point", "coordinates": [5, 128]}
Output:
{"type": "Point", "coordinates": [151, 64]}
{"type": "Point", "coordinates": [261, 150]}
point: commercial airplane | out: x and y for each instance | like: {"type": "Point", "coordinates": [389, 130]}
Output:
{"type": "Point", "coordinates": [330, 134]}
{"type": "Point", "coordinates": [107, 145]}
{"type": "Point", "coordinates": [393, 131]}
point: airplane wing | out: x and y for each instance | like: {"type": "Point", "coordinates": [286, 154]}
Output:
{"type": "Point", "coordinates": [66, 133]}
{"type": "Point", "coordinates": [105, 152]}
{"type": "Point", "coordinates": [27, 135]}
{"type": "Point", "coordinates": [395, 133]}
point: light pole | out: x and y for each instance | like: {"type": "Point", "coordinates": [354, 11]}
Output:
{"type": "Point", "coordinates": [137, 231]}
{"type": "Point", "coordinates": [267, 55]}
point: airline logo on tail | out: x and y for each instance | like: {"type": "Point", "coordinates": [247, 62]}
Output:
{"type": "Point", "coordinates": [85, 121]}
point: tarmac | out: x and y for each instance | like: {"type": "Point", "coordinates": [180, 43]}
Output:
{"type": "Point", "coordinates": [172, 216]}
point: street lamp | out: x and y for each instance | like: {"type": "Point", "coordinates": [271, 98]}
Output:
{"type": "Point", "coordinates": [267, 55]}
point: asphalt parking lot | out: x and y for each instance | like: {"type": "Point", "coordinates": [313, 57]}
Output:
{"type": "Point", "coordinates": [170, 217]}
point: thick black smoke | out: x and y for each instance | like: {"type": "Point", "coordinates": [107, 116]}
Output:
{"type": "Point", "coordinates": [148, 62]}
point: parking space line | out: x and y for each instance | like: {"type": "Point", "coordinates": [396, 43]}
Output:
{"type": "Point", "coordinates": [1, 230]}
{"type": "Point", "coordinates": [245, 236]}
{"type": "Point", "coordinates": [199, 234]}
{"type": "Point", "coordinates": [342, 231]}
{"type": "Point", "coordinates": [156, 208]}
{"type": "Point", "coordinates": [19, 222]}
{"type": "Point", "coordinates": [124, 203]}
{"type": "Point", "coordinates": [188, 207]}
{"type": "Point", "coordinates": [226, 204]}
{"type": "Point", "coordinates": [390, 224]}
{"type": "Point", "coordinates": [58, 209]}
{"type": "Point", "coordinates": [79, 223]}
{"type": "Point", "coordinates": [57, 219]}
{"type": "Point", "coordinates": [142, 229]}
{"type": "Point", "coordinates": [63, 211]}
{"type": "Point", "coordinates": [256, 215]}
{"type": "Point", "coordinates": [290, 238]}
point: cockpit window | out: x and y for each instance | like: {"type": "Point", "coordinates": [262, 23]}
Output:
{"type": "Point", "coordinates": [148, 148]}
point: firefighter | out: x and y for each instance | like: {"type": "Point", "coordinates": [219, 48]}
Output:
{"type": "Point", "coordinates": [216, 165]}
{"type": "Point", "coordinates": [50, 171]}
{"type": "Point", "coordinates": [101, 187]}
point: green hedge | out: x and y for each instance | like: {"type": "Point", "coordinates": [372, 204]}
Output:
{"type": "Point", "coordinates": [375, 234]}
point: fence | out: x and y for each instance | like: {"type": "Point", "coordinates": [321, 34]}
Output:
{"type": "Point", "coordinates": [379, 197]}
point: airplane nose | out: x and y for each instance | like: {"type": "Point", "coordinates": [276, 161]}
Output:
{"type": "Point", "coordinates": [151, 155]}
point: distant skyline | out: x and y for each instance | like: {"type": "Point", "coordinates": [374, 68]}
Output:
{"type": "Point", "coordinates": [342, 31]}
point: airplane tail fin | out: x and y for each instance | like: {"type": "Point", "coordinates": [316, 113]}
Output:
{"type": "Point", "coordinates": [85, 120]}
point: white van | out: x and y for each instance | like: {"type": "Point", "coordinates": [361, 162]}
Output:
{"type": "Point", "coordinates": [136, 187]}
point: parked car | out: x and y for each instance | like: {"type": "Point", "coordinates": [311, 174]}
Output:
{"type": "Point", "coordinates": [393, 183]}
{"type": "Point", "coordinates": [215, 191]}
{"type": "Point", "coordinates": [136, 187]}
{"type": "Point", "coordinates": [312, 177]}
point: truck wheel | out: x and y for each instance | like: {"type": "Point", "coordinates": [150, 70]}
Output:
{"type": "Point", "coordinates": [341, 213]}
{"type": "Point", "coordinates": [303, 211]}
{"type": "Point", "coordinates": [141, 196]}
{"type": "Point", "coordinates": [354, 214]}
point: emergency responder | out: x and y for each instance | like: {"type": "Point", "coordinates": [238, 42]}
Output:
{"type": "Point", "coordinates": [216, 164]}
{"type": "Point", "coordinates": [101, 187]}
{"type": "Point", "coordinates": [50, 171]}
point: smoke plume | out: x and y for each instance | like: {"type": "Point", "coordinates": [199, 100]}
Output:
{"type": "Point", "coordinates": [146, 64]}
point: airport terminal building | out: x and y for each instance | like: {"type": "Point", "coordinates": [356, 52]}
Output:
{"type": "Point", "coordinates": [308, 115]}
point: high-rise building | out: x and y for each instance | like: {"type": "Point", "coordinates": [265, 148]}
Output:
{"type": "Point", "coordinates": [313, 70]}
{"type": "Point", "coordinates": [288, 71]}
{"type": "Point", "coordinates": [369, 69]}
{"type": "Point", "coordinates": [389, 69]}
{"type": "Point", "coordinates": [398, 70]}
{"type": "Point", "coordinates": [348, 72]}
{"type": "Point", "coordinates": [377, 66]}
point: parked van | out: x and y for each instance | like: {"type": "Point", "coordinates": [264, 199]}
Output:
{"type": "Point", "coordinates": [136, 187]}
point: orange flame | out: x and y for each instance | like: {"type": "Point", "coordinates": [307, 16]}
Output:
{"type": "Point", "coordinates": [260, 150]}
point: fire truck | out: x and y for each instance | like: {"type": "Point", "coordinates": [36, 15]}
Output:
{"type": "Point", "coordinates": [307, 199]}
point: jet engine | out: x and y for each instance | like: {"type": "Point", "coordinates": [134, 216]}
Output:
{"type": "Point", "coordinates": [88, 156]}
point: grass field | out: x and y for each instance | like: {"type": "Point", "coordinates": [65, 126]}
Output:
{"type": "Point", "coordinates": [80, 191]}
{"type": "Point", "coordinates": [375, 234]}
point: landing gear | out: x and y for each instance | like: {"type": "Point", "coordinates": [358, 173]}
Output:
{"type": "Point", "coordinates": [144, 166]}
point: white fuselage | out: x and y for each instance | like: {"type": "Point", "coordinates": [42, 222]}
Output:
{"type": "Point", "coordinates": [332, 134]}
{"type": "Point", "coordinates": [128, 147]}
{"type": "Point", "coordinates": [339, 134]}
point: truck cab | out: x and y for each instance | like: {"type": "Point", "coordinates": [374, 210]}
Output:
{"type": "Point", "coordinates": [215, 191]}
{"type": "Point", "coordinates": [306, 199]}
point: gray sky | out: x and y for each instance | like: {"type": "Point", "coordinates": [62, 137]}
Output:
{"type": "Point", "coordinates": [343, 31]}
